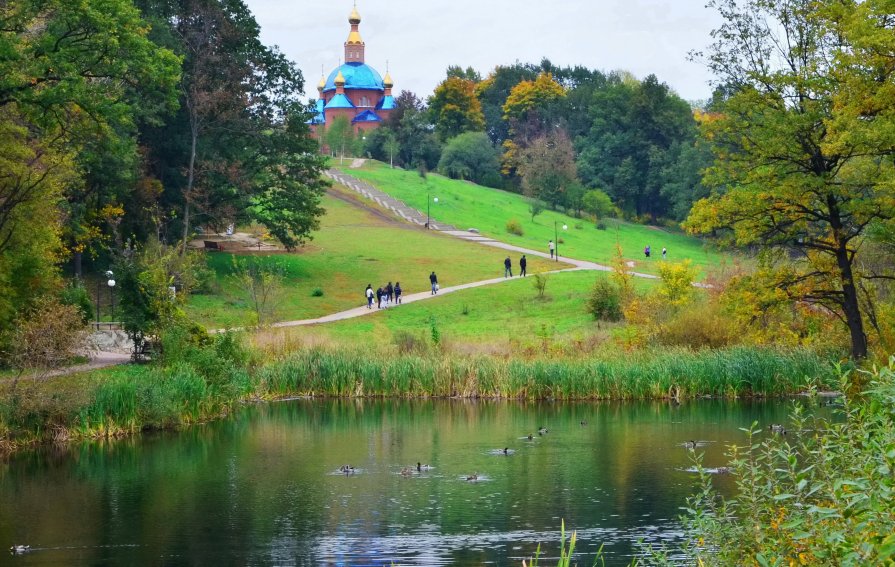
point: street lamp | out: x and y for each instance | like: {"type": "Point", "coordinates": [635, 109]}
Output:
{"type": "Point", "coordinates": [556, 237]}
{"type": "Point", "coordinates": [111, 284]}
{"type": "Point", "coordinates": [428, 216]}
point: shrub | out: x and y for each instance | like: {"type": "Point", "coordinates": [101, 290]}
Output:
{"type": "Point", "coordinates": [515, 227]}
{"type": "Point", "coordinates": [677, 281]}
{"type": "Point", "coordinates": [47, 336]}
{"type": "Point", "coordinates": [76, 295]}
{"type": "Point", "coordinates": [540, 283]}
{"type": "Point", "coordinates": [601, 225]}
{"type": "Point", "coordinates": [701, 325]}
{"type": "Point", "coordinates": [604, 301]}
{"type": "Point", "coordinates": [409, 343]}
{"type": "Point", "coordinates": [318, 292]}
{"type": "Point", "coordinates": [819, 495]}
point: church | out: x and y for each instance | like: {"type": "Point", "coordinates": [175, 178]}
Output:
{"type": "Point", "coordinates": [353, 89]}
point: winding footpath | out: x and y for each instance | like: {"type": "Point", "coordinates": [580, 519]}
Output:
{"type": "Point", "coordinates": [407, 214]}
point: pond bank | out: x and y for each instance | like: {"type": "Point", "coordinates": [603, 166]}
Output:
{"type": "Point", "coordinates": [201, 383]}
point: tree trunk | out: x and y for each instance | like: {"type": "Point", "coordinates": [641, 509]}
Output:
{"type": "Point", "coordinates": [194, 131]}
{"type": "Point", "coordinates": [78, 269]}
{"type": "Point", "coordinates": [851, 305]}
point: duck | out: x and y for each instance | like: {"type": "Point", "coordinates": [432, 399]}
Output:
{"type": "Point", "coordinates": [542, 430]}
{"type": "Point", "coordinates": [691, 444]}
{"type": "Point", "coordinates": [473, 477]}
{"type": "Point", "coordinates": [421, 467]}
{"type": "Point", "coordinates": [407, 471]}
{"type": "Point", "coordinates": [777, 428]}
{"type": "Point", "coordinates": [347, 469]}
{"type": "Point", "coordinates": [506, 451]}
{"type": "Point", "coordinates": [16, 549]}
{"type": "Point", "coordinates": [583, 423]}
{"type": "Point", "coordinates": [530, 437]}
{"type": "Point", "coordinates": [722, 470]}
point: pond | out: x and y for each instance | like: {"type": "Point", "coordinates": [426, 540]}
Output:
{"type": "Point", "coordinates": [264, 486]}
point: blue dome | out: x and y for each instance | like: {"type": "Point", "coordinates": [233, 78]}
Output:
{"type": "Point", "coordinates": [357, 76]}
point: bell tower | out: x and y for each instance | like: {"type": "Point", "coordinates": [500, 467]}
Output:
{"type": "Point", "coordinates": [354, 47]}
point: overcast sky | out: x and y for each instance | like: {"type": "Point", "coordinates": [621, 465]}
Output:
{"type": "Point", "coordinates": [420, 38]}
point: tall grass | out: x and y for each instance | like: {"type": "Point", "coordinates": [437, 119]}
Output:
{"type": "Point", "coordinates": [200, 379]}
{"type": "Point", "coordinates": [668, 373]}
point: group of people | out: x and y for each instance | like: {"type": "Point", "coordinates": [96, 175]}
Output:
{"type": "Point", "coordinates": [387, 294]}
{"type": "Point", "coordinates": [648, 250]}
{"type": "Point", "coordinates": [508, 267]}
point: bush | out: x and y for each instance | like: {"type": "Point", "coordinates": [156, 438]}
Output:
{"type": "Point", "coordinates": [318, 292]}
{"type": "Point", "coordinates": [819, 495]}
{"type": "Point", "coordinates": [410, 343]}
{"type": "Point", "coordinates": [604, 301]}
{"type": "Point", "coordinates": [76, 295]}
{"type": "Point", "coordinates": [47, 336]}
{"type": "Point", "coordinates": [515, 227]}
{"type": "Point", "coordinates": [540, 283]}
{"type": "Point", "coordinates": [601, 225]}
{"type": "Point", "coordinates": [702, 325]}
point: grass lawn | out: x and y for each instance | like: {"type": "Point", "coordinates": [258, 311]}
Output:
{"type": "Point", "coordinates": [353, 247]}
{"type": "Point", "coordinates": [466, 205]}
{"type": "Point", "coordinates": [495, 314]}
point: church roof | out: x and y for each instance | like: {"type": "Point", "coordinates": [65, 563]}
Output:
{"type": "Point", "coordinates": [339, 101]}
{"type": "Point", "coordinates": [357, 76]}
{"type": "Point", "coordinates": [386, 103]}
{"type": "Point", "coordinates": [367, 116]}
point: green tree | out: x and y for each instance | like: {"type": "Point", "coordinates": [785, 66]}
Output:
{"type": "Point", "coordinates": [598, 203]}
{"type": "Point", "coordinates": [391, 146]}
{"type": "Point", "coordinates": [803, 146]}
{"type": "Point", "coordinates": [339, 136]}
{"type": "Point", "coordinates": [469, 156]}
{"type": "Point", "coordinates": [455, 109]}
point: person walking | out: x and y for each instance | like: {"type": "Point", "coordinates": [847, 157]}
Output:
{"type": "Point", "coordinates": [397, 292]}
{"type": "Point", "coordinates": [369, 293]}
{"type": "Point", "coordinates": [646, 251]}
{"type": "Point", "coordinates": [507, 268]}
{"type": "Point", "coordinates": [551, 246]}
{"type": "Point", "coordinates": [433, 279]}
{"type": "Point", "coordinates": [522, 263]}
{"type": "Point", "coordinates": [664, 253]}
{"type": "Point", "coordinates": [389, 293]}
{"type": "Point", "coordinates": [378, 298]}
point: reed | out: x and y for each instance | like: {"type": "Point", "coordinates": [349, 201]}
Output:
{"type": "Point", "coordinates": [199, 382]}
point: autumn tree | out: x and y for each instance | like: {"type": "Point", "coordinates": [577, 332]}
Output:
{"type": "Point", "coordinates": [530, 107]}
{"type": "Point", "coordinates": [803, 145]}
{"type": "Point", "coordinates": [454, 108]}
{"type": "Point", "coordinates": [547, 167]}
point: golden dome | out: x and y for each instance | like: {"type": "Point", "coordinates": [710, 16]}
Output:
{"type": "Point", "coordinates": [387, 81]}
{"type": "Point", "coordinates": [340, 79]}
{"type": "Point", "coordinates": [354, 38]}
{"type": "Point", "coordinates": [354, 18]}
{"type": "Point", "coordinates": [322, 84]}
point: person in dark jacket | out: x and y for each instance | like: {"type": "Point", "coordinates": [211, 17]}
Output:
{"type": "Point", "coordinates": [397, 292]}
{"type": "Point", "coordinates": [379, 298]}
{"type": "Point", "coordinates": [433, 279]}
{"type": "Point", "coordinates": [389, 293]}
{"type": "Point", "coordinates": [507, 268]}
{"type": "Point", "coordinates": [522, 263]}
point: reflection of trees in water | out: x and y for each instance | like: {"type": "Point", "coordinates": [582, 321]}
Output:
{"type": "Point", "coordinates": [258, 486]}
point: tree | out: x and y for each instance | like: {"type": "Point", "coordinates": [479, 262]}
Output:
{"type": "Point", "coordinates": [547, 167]}
{"type": "Point", "coordinates": [469, 156]}
{"type": "Point", "coordinates": [530, 107]}
{"type": "Point", "coordinates": [455, 109]}
{"type": "Point", "coordinates": [535, 207]}
{"type": "Point", "coordinates": [803, 145]}
{"type": "Point", "coordinates": [339, 136]}
{"type": "Point", "coordinates": [598, 204]}
{"type": "Point", "coordinates": [391, 146]}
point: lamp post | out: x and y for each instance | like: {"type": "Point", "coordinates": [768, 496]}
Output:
{"type": "Point", "coordinates": [111, 284]}
{"type": "Point", "coordinates": [556, 237]}
{"type": "Point", "coordinates": [428, 210]}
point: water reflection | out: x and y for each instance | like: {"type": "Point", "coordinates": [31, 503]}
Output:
{"type": "Point", "coordinates": [264, 487]}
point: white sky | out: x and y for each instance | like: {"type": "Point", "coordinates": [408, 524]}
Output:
{"type": "Point", "coordinates": [420, 38]}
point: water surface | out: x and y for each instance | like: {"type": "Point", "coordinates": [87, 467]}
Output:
{"type": "Point", "coordinates": [263, 486]}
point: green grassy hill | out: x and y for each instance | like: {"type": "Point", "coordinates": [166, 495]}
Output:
{"type": "Point", "coordinates": [482, 319]}
{"type": "Point", "coordinates": [353, 247]}
{"type": "Point", "coordinates": [466, 205]}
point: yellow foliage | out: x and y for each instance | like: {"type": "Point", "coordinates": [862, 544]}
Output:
{"type": "Point", "coordinates": [531, 94]}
